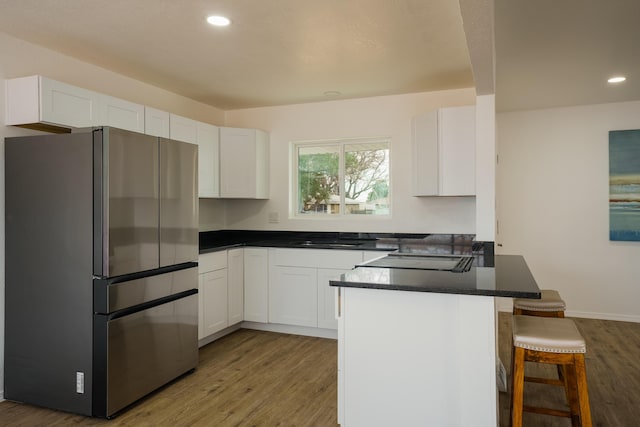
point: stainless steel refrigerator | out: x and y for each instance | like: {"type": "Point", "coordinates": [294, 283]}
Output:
{"type": "Point", "coordinates": [101, 268]}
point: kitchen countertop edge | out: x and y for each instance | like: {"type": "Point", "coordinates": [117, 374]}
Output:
{"type": "Point", "coordinates": [510, 278]}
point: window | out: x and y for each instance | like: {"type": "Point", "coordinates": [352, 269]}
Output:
{"type": "Point", "coordinates": [345, 177]}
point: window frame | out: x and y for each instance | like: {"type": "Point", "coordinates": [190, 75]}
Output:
{"type": "Point", "coordinates": [341, 143]}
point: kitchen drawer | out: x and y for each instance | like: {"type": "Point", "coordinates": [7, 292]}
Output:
{"type": "Point", "coordinates": [315, 258]}
{"type": "Point", "coordinates": [212, 261]}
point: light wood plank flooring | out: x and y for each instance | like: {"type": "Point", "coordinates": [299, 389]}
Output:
{"type": "Point", "coordinates": [253, 378]}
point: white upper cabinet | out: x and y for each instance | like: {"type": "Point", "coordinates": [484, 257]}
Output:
{"type": "Point", "coordinates": [244, 165]}
{"type": "Point", "coordinates": [156, 122]}
{"type": "Point", "coordinates": [206, 137]}
{"type": "Point", "coordinates": [36, 99]}
{"type": "Point", "coordinates": [183, 129]}
{"type": "Point", "coordinates": [444, 152]}
{"type": "Point", "coordinates": [122, 114]}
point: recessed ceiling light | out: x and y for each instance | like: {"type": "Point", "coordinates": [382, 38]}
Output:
{"type": "Point", "coordinates": [218, 21]}
{"type": "Point", "coordinates": [332, 93]}
{"type": "Point", "coordinates": [617, 79]}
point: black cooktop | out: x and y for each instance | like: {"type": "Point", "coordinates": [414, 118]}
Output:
{"type": "Point", "coordinates": [454, 263]}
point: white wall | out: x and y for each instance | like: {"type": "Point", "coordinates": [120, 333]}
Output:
{"type": "Point", "coordinates": [486, 168]}
{"type": "Point", "coordinates": [552, 206]}
{"type": "Point", "coordinates": [18, 58]}
{"type": "Point", "coordinates": [376, 116]}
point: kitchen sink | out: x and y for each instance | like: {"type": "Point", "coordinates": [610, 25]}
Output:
{"type": "Point", "coordinates": [327, 244]}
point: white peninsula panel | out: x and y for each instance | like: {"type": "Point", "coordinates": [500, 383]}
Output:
{"type": "Point", "coordinates": [416, 359]}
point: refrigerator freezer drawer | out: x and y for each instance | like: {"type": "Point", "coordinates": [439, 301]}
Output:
{"type": "Point", "coordinates": [144, 351]}
{"type": "Point", "coordinates": [120, 293]}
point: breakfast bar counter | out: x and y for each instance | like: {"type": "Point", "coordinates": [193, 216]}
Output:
{"type": "Point", "coordinates": [418, 347]}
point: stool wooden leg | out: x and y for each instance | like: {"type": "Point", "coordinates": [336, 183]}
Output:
{"type": "Point", "coordinates": [517, 386]}
{"type": "Point", "coordinates": [583, 394]}
{"type": "Point", "coordinates": [571, 391]}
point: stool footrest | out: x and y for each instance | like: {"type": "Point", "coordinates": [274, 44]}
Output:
{"type": "Point", "coordinates": [539, 380]}
{"type": "Point", "coordinates": [546, 411]}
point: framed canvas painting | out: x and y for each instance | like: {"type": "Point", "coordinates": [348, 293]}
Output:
{"type": "Point", "coordinates": [624, 185]}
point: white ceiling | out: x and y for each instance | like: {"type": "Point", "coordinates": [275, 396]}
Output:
{"type": "Point", "coordinates": [294, 51]}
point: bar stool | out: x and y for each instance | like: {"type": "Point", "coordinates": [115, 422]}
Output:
{"type": "Point", "coordinates": [553, 341]}
{"type": "Point", "coordinates": [549, 305]}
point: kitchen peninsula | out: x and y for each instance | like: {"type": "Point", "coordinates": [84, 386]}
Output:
{"type": "Point", "coordinates": [418, 347]}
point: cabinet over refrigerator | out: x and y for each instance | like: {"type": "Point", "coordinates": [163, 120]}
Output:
{"type": "Point", "coordinates": [101, 271]}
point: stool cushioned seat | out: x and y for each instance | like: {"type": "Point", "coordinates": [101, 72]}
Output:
{"type": "Point", "coordinates": [547, 334]}
{"type": "Point", "coordinates": [550, 301]}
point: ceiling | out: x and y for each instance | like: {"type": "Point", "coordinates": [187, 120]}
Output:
{"type": "Point", "coordinates": [277, 52]}
{"type": "Point", "coordinates": [553, 53]}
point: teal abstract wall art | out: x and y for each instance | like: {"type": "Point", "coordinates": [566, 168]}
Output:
{"type": "Point", "coordinates": [624, 185]}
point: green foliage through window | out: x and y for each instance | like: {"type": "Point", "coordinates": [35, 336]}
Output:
{"type": "Point", "coordinates": [343, 177]}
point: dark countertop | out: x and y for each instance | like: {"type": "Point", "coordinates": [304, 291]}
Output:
{"type": "Point", "coordinates": [490, 275]}
{"type": "Point", "coordinates": [510, 277]}
{"type": "Point", "coordinates": [464, 244]}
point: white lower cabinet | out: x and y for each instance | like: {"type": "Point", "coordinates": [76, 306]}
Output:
{"type": "Point", "coordinates": [256, 285]}
{"type": "Point", "coordinates": [293, 296]}
{"type": "Point", "coordinates": [213, 299]}
{"type": "Point", "coordinates": [299, 290]}
{"type": "Point", "coordinates": [235, 286]}
{"type": "Point", "coordinates": [220, 291]}
{"type": "Point", "coordinates": [327, 296]}
{"type": "Point", "coordinates": [278, 286]}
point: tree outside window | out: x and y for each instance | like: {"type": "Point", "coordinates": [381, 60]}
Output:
{"type": "Point", "coordinates": [342, 177]}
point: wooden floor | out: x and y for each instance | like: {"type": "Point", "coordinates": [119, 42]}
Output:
{"type": "Point", "coordinates": [248, 378]}
{"type": "Point", "coordinates": [253, 378]}
{"type": "Point", "coordinates": [613, 375]}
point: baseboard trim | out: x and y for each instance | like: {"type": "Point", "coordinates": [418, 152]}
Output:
{"type": "Point", "coordinates": [506, 305]}
{"type": "Point", "coordinates": [603, 316]}
{"type": "Point", "coordinates": [211, 338]}
{"type": "Point", "coordinates": [289, 329]}
{"type": "Point", "coordinates": [270, 327]}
